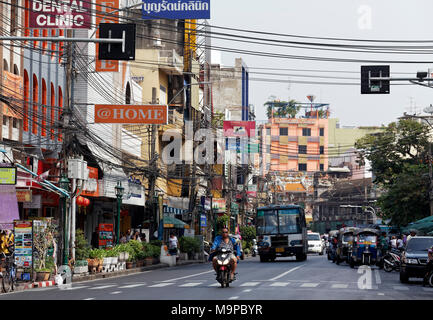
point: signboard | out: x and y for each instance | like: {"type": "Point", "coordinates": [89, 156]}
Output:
{"type": "Point", "coordinates": [176, 9]}
{"type": "Point", "coordinates": [35, 203]}
{"type": "Point", "coordinates": [219, 205]}
{"type": "Point", "coordinates": [106, 235]}
{"type": "Point", "coordinates": [239, 128]}
{"type": "Point", "coordinates": [23, 237]}
{"type": "Point", "coordinates": [8, 175]}
{"type": "Point", "coordinates": [107, 12]}
{"type": "Point", "coordinates": [203, 220]}
{"type": "Point", "coordinates": [374, 87]}
{"type": "Point", "coordinates": [60, 14]}
{"type": "Point", "coordinates": [127, 114]}
{"type": "Point", "coordinates": [24, 195]}
{"type": "Point", "coordinates": [90, 188]}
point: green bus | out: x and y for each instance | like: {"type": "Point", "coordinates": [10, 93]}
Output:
{"type": "Point", "coordinates": [281, 232]}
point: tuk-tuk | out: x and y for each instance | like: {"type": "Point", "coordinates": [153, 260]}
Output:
{"type": "Point", "coordinates": [345, 244]}
{"type": "Point", "coordinates": [332, 248]}
{"type": "Point", "coordinates": [365, 247]}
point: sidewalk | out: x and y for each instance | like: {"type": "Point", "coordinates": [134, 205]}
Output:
{"type": "Point", "coordinates": [104, 275]}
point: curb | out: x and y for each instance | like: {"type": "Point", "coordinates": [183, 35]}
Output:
{"type": "Point", "coordinates": [43, 284]}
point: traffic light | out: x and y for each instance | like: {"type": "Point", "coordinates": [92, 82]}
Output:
{"type": "Point", "coordinates": [117, 51]}
{"type": "Point", "coordinates": [377, 86]}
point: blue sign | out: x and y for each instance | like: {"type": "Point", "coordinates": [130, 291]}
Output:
{"type": "Point", "coordinates": [176, 9]}
{"type": "Point", "coordinates": [203, 220]}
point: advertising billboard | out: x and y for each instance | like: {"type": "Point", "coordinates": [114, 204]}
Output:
{"type": "Point", "coordinates": [8, 175]}
{"type": "Point", "coordinates": [239, 128]}
{"type": "Point", "coordinates": [60, 14]}
{"type": "Point", "coordinates": [127, 114]}
{"type": "Point", "coordinates": [176, 9]}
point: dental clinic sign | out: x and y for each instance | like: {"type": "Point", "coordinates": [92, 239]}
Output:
{"type": "Point", "coordinates": [60, 14]}
{"type": "Point", "coordinates": [176, 9]}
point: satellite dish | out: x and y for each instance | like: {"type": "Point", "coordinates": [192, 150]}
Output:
{"type": "Point", "coordinates": [429, 109]}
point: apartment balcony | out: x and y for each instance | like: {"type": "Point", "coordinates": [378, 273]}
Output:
{"type": "Point", "coordinates": [170, 62]}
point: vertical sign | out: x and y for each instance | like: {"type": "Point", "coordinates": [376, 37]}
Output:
{"type": "Point", "coordinates": [23, 243]}
{"type": "Point", "coordinates": [106, 235]}
{"type": "Point", "coordinates": [107, 12]}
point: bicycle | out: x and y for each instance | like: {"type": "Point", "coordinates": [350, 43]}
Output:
{"type": "Point", "coordinates": [9, 277]}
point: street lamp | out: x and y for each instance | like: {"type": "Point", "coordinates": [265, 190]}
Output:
{"type": "Point", "coordinates": [119, 194]}
{"type": "Point", "coordinates": [64, 184]}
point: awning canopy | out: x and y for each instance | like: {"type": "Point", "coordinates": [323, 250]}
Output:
{"type": "Point", "coordinates": [170, 222]}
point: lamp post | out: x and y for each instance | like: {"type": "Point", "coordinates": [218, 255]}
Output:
{"type": "Point", "coordinates": [64, 184]}
{"type": "Point", "coordinates": [119, 194]}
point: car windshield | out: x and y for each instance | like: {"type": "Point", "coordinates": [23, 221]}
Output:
{"type": "Point", "coordinates": [366, 238]}
{"type": "Point", "coordinates": [348, 237]}
{"type": "Point", "coordinates": [313, 237]}
{"type": "Point", "coordinates": [288, 221]}
{"type": "Point", "coordinates": [419, 244]}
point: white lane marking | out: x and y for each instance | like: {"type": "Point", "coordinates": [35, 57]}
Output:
{"type": "Point", "coordinates": [400, 288]}
{"type": "Point", "coordinates": [234, 298]}
{"type": "Point", "coordinates": [279, 284]}
{"type": "Point", "coordinates": [193, 275]}
{"type": "Point", "coordinates": [89, 299]}
{"type": "Point", "coordinates": [116, 292]}
{"type": "Point", "coordinates": [309, 285]}
{"type": "Point", "coordinates": [132, 285]}
{"type": "Point", "coordinates": [377, 274]}
{"type": "Point", "coordinates": [102, 287]}
{"type": "Point", "coordinates": [380, 294]}
{"type": "Point", "coordinates": [191, 284]}
{"type": "Point", "coordinates": [339, 286]}
{"type": "Point", "coordinates": [428, 289]}
{"type": "Point", "coordinates": [76, 288]}
{"type": "Point", "coordinates": [287, 272]}
{"type": "Point", "coordinates": [215, 285]}
{"type": "Point", "coordinates": [249, 284]}
{"type": "Point", "coordinates": [247, 290]}
{"type": "Point", "coordinates": [159, 285]}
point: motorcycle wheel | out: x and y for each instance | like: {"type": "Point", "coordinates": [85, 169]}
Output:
{"type": "Point", "coordinates": [387, 267]}
{"type": "Point", "coordinates": [430, 279]}
{"type": "Point", "coordinates": [337, 261]}
{"type": "Point", "coordinates": [352, 263]}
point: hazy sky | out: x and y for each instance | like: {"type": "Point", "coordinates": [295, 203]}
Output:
{"type": "Point", "coordinates": [367, 19]}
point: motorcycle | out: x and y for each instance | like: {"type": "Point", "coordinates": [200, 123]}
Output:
{"type": "Point", "coordinates": [224, 267]}
{"type": "Point", "coordinates": [391, 261]}
{"type": "Point", "coordinates": [428, 279]}
{"type": "Point", "coordinates": [255, 248]}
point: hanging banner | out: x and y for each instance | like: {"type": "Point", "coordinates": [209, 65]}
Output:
{"type": "Point", "coordinates": [60, 14]}
{"type": "Point", "coordinates": [107, 12]}
{"type": "Point", "coordinates": [126, 114]}
{"type": "Point", "coordinates": [239, 128]}
{"type": "Point", "coordinates": [176, 9]}
{"type": "Point", "coordinates": [23, 237]}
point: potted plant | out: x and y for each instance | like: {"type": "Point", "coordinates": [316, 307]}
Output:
{"type": "Point", "coordinates": [82, 252]}
{"type": "Point", "coordinates": [156, 253]}
{"type": "Point", "coordinates": [189, 245]}
{"type": "Point", "coordinates": [130, 262]}
{"type": "Point", "coordinates": [96, 259]}
{"type": "Point", "coordinates": [140, 258]}
{"type": "Point", "coordinates": [42, 241]}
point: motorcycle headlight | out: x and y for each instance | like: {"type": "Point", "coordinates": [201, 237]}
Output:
{"type": "Point", "coordinates": [226, 261]}
{"type": "Point", "coordinates": [220, 262]}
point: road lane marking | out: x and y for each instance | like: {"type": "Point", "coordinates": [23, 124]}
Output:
{"type": "Point", "coordinates": [89, 299]}
{"type": "Point", "coordinates": [280, 284]}
{"type": "Point", "coordinates": [339, 286]}
{"type": "Point", "coordinates": [428, 289]}
{"type": "Point", "coordinates": [102, 287]}
{"type": "Point", "coordinates": [234, 298]}
{"type": "Point", "coordinates": [116, 292]}
{"type": "Point", "coordinates": [380, 294]}
{"type": "Point", "coordinates": [191, 284]}
{"type": "Point", "coordinates": [76, 288]}
{"type": "Point", "coordinates": [400, 288]}
{"type": "Point", "coordinates": [309, 285]}
{"type": "Point", "coordinates": [247, 290]}
{"type": "Point", "coordinates": [215, 285]}
{"type": "Point", "coordinates": [249, 284]}
{"type": "Point", "coordinates": [159, 285]}
{"type": "Point", "coordinates": [132, 285]}
{"type": "Point", "coordinates": [377, 274]}
{"type": "Point", "coordinates": [193, 275]}
{"type": "Point", "coordinates": [287, 272]}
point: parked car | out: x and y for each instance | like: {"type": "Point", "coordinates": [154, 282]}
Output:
{"type": "Point", "coordinates": [414, 258]}
{"type": "Point", "coordinates": [315, 243]}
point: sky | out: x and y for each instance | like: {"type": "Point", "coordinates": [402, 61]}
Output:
{"type": "Point", "coordinates": [355, 19]}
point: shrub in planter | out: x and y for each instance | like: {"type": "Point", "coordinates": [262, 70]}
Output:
{"type": "Point", "coordinates": [136, 246]}
{"type": "Point", "coordinates": [189, 245]}
{"type": "Point", "coordinates": [157, 243]}
{"type": "Point", "coordinates": [247, 251]}
{"type": "Point", "coordinates": [82, 248]}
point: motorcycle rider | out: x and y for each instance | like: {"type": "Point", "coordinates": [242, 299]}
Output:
{"type": "Point", "coordinates": [429, 266]}
{"type": "Point", "coordinates": [225, 242]}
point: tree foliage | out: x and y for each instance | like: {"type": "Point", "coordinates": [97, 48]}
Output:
{"type": "Point", "coordinates": [287, 109]}
{"type": "Point", "coordinates": [399, 161]}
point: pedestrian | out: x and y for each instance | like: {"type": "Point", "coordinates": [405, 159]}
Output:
{"type": "Point", "coordinates": [173, 244]}
{"type": "Point", "coordinates": [136, 236]}
{"type": "Point", "coordinates": [400, 243]}
{"type": "Point", "coordinates": [95, 239]}
{"type": "Point", "coordinates": [412, 234]}
{"type": "Point", "coordinates": [128, 235]}
{"type": "Point", "coordinates": [384, 243]}
{"type": "Point", "coordinates": [123, 238]}
{"type": "Point", "coordinates": [143, 237]}
{"type": "Point", "coordinates": [394, 242]}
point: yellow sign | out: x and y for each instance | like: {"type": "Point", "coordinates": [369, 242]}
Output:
{"type": "Point", "coordinates": [8, 175]}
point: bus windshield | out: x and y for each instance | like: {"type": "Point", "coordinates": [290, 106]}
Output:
{"type": "Point", "coordinates": [278, 221]}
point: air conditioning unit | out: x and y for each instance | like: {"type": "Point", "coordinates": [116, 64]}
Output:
{"type": "Point", "coordinates": [157, 43]}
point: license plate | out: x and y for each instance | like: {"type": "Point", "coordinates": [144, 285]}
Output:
{"type": "Point", "coordinates": [279, 250]}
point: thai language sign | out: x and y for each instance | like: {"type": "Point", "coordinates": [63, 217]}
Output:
{"type": "Point", "coordinates": [146, 114]}
{"type": "Point", "coordinates": [176, 9]}
{"type": "Point", "coordinates": [239, 128]}
{"type": "Point", "coordinates": [23, 237]}
{"type": "Point", "coordinates": [61, 14]}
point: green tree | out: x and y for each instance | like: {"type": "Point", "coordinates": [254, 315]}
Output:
{"type": "Point", "coordinates": [399, 158]}
{"type": "Point", "coordinates": [282, 108]}
{"type": "Point", "coordinates": [248, 233]}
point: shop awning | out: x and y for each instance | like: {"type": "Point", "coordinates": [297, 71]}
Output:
{"type": "Point", "coordinates": [170, 222]}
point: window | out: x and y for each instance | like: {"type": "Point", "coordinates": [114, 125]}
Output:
{"type": "Point", "coordinates": [35, 94]}
{"type": "Point", "coordinates": [322, 150]}
{"type": "Point", "coordinates": [284, 131]}
{"type": "Point", "coordinates": [302, 167]}
{"type": "Point", "coordinates": [5, 120]}
{"type": "Point", "coordinates": [302, 149]}
{"type": "Point", "coordinates": [44, 108]}
{"type": "Point", "coordinates": [322, 167]}
{"type": "Point", "coordinates": [26, 98]}
{"type": "Point", "coordinates": [268, 131]}
{"type": "Point", "coordinates": [322, 132]}
{"type": "Point", "coordinates": [15, 123]}
{"type": "Point", "coordinates": [306, 132]}
{"type": "Point", "coordinates": [53, 110]}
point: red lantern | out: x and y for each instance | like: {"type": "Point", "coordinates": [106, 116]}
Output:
{"type": "Point", "coordinates": [80, 201]}
{"type": "Point", "coordinates": [86, 202]}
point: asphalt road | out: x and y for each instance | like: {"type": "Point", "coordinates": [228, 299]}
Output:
{"type": "Point", "coordinates": [285, 279]}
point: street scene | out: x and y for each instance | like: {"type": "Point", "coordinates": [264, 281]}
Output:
{"type": "Point", "coordinates": [214, 150]}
